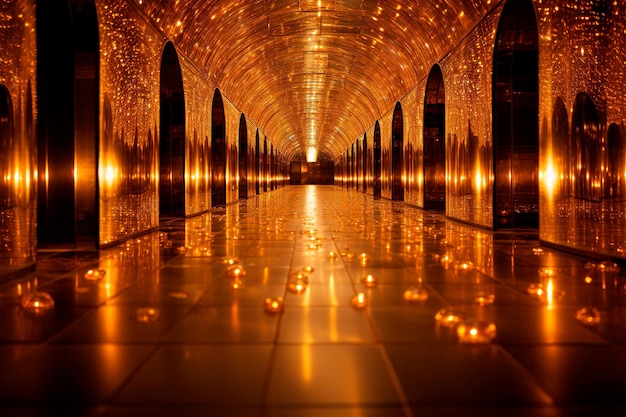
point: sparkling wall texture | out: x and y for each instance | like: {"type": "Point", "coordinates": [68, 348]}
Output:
{"type": "Point", "coordinates": [325, 75]}
{"type": "Point", "coordinates": [17, 134]}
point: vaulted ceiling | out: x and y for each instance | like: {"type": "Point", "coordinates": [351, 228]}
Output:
{"type": "Point", "coordinates": [315, 73]}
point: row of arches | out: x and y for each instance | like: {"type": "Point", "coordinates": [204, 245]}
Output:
{"type": "Point", "coordinates": [450, 167]}
{"type": "Point", "coordinates": [146, 173]}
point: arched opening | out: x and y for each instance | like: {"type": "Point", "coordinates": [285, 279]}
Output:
{"type": "Point", "coordinates": [614, 186]}
{"type": "Point", "coordinates": [365, 162]}
{"type": "Point", "coordinates": [350, 156]}
{"type": "Point", "coordinates": [397, 154]}
{"type": "Point", "coordinates": [243, 157]}
{"type": "Point", "coordinates": [434, 158]}
{"type": "Point", "coordinates": [172, 137]}
{"type": "Point", "coordinates": [560, 147]}
{"type": "Point", "coordinates": [272, 168]}
{"type": "Point", "coordinates": [6, 147]}
{"type": "Point", "coordinates": [585, 150]}
{"type": "Point", "coordinates": [218, 151]}
{"type": "Point", "coordinates": [516, 117]}
{"type": "Point", "coordinates": [257, 163]}
{"type": "Point", "coordinates": [265, 164]}
{"type": "Point", "coordinates": [67, 144]}
{"type": "Point", "coordinates": [377, 162]}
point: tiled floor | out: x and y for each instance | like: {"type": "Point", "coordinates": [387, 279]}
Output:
{"type": "Point", "coordinates": [209, 349]}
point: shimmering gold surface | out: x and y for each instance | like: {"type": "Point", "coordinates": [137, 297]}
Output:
{"type": "Point", "coordinates": [322, 75]}
{"type": "Point", "coordinates": [166, 331]}
{"type": "Point", "coordinates": [314, 73]}
{"type": "Point", "coordinates": [18, 170]}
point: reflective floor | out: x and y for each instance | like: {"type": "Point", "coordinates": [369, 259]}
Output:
{"type": "Point", "coordinates": [311, 301]}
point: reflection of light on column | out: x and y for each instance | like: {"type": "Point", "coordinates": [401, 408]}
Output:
{"type": "Point", "coordinates": [549, 178]}
{"type": "Point", "coordinates": [478, 178]}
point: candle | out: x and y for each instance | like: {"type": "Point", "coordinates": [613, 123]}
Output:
{"type": "Point", "coordinates": [147, 315]}
{"type": "Point", "coordinates": [485, 299]}
{"type": "Point", "coordinates": [415, 294]}
{"type": "Point", "coordinates": [274, 305]}
{"type": "Point", "coordinates": [94, 274]}
{"type": "Point", "coordinates": [369, 281]}
{"type": "Point", "coordinates": [37, 302]}
{"type": "Point", "coordinates": [359, 300]}
{"type": "Point", "coordinates": [235, 271]}
{"type": "Point", "coordinates": [448, 317]}
{"type": "Point", "coordinates": [476, 332]}
{"type": "Point", "coordinates": [589, 316]}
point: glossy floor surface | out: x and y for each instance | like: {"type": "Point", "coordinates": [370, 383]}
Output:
{"type": "Point", "coordinates": [164, 325]}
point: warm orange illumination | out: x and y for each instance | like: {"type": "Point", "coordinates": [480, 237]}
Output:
{"type": "Point", "coordinates": [417, 294]}
{"type": "Point", "coordinates": [369, 281]}
{"type": "Point", "coordinates": [147, 314]}
{"type": "Point", "coordinates": [359, 300]}
{"type": "Point", "coordinates": [476, 332]}
{"type": "Point", "coordinates": [273, 305]}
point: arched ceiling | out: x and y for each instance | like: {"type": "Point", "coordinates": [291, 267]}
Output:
{"type": "Point", "coordinates": [315, 73]}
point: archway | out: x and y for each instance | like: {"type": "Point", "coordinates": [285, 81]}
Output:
{"type": "Point", "coordinates": [67, 141]}
{"type": "Point", "coordinates": [218, 151]}
{"type": "Point", "coordinates": [377, 161]}
{"type": "Point", "coordinates": [614, 183]}
{"type": "Point", "coordinates": [6, 147]}
{"type": "Point", "coordinates": [272, 168]}
{"type": "Point", "coordinates": [257, 163]}
{"type": "Point", "coordinates": [586, 154]}
{"type": "Point", "coordinates": [561, 147]}
{"type": "Point", "coordinates": [516, 117]}
{"type": "Point", "coordinates": [434, 168]}
{"type": "Point", "coordinates": [397, 154]}
{"type": "Point", "coordinates": [264, 168]}
{"type": "Point", "coordinates": [365, 162]}
{"type": "Point", "coordinates": [243, 157]}
{"type": "Point", "coordinates": [172, 137]}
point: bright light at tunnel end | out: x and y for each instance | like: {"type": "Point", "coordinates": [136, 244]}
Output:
{"type": "Point", "coordinates": [311, 154]}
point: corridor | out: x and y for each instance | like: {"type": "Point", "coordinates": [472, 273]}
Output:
{"type": "Point", "coordinates": [181, 321]}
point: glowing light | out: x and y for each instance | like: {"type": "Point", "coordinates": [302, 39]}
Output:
{"type": "Point", "coordinates": [589, 316]}
{"type": "Point", "coordinates": [94, 274]}
{"type": "Point", "coordinates": [236, 271]}
{"type": "Point", "coordinates": [416, 294]}
{"type": "Point", "coordinates": [147, 315]}
{"type": "Point", "coordinates": [273, 305]}
{"type": "Point", "coordinates": [476, 332]}
{"type": "Point", "coordinates": [311, 154]}
{"type": "Point", "coordinates": [369, 281]}
{"type": "Point", "coordinates": [485, 299]}
{"type": "Point", "coordinates": [448, 317]}
{"type": "Point", "coordinates": [37, 303]}
{"type": "Point", "coordinates": [359, 300]}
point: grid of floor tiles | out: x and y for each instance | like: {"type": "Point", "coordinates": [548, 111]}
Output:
{"type": "Point", "coordinates": [160, 328]}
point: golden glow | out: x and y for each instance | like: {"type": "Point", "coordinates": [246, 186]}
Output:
{"type": "Point", "coordinates": [274, 305]}
{"type": "Point", "coordinates": [359, 300]}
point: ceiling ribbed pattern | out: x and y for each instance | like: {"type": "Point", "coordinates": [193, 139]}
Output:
{"type": "Point", "coordinates": [315, 73]}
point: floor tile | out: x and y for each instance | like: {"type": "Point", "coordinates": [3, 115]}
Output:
{"type": "Point", "coordinates": [70, 375]}
{"type": "Point", "coordinates": [234, 324]}
{"type": "Point", "coordinates": [577, 375]}
{"type": "Point", "coordinates": [461, 374]}
{"type": "Point", "coordinates": [330, 376]}
{"type": "Point", "coordinates": [200, 374]}
{"type": "Point", "coordinates": [313, 325]}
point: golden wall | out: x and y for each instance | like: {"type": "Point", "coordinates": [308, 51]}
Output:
{"type": "Point", "coordinates": [18, 167]}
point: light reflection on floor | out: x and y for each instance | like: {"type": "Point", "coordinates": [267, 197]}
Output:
{"type": "Point", "coordinates": [164, 324]}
